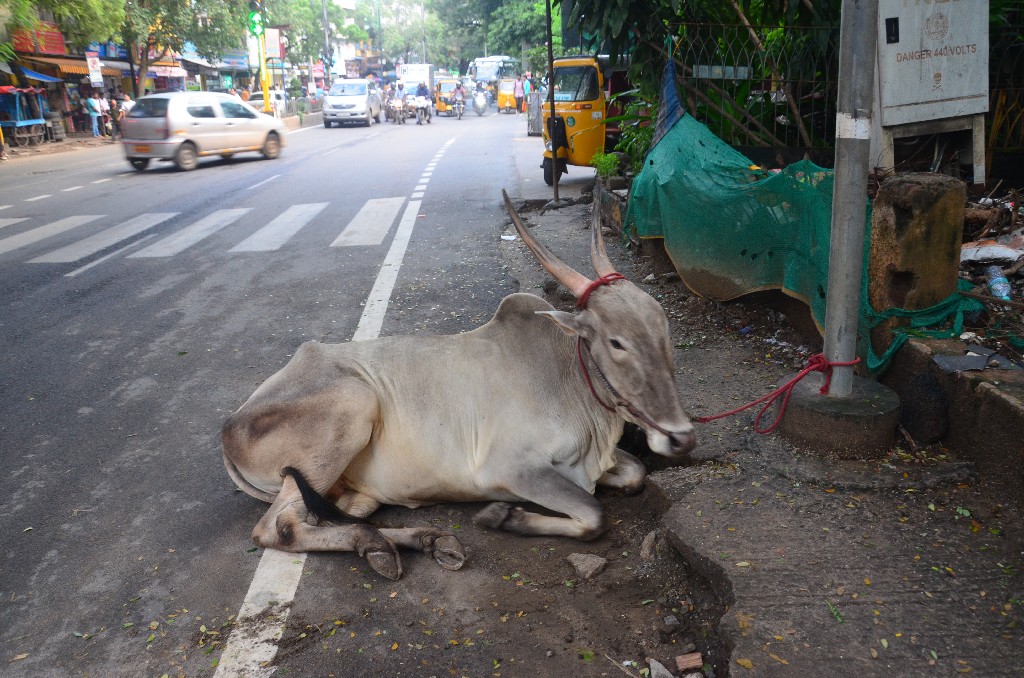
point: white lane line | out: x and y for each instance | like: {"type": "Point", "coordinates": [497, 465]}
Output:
{"type": "Point", "coordinates": [11, 221]}
{"type": "Point", "coordinates": [37, 234]}
{"type": "Point", "coordinates": [263, 182]}
{"type": "Point", "coordinates": [418, 194]}
{"type": "Point", "coordinates": [113, 254]}
{"type": "Point", "coordinates": [262, 618]}
{"type": "Point", "coordinates": [277, 232]}
{"type": "Point", "coordinates": [38, 197]}
{"type": "Point", "coordinates": [3, 207]}
{"type": "Point", "coordinates": [103, 239]}
{"type": "Point", "coordinates": [100, 181]}
{"type": "Point", "coordinates": [420, 187]}
{"type": "Point", "coordinates": [73, 188]}
{"type": "Point", "coordinates": [371, 223]}
{"type": "Point", "coordinates": [191, 235]}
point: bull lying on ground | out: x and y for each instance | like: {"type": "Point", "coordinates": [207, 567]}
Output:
{"type": "Point", "coordinates": [528, 407]}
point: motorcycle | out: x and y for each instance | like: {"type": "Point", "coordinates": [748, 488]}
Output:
{"type": "Point", "coordinates": [480, 103]}
{"type": "Point", "coordinates": [422, 104]}
{"type": "Point", "coordinates": [460, 106]}
{"type": "Point", "coordinates": [397, 111]}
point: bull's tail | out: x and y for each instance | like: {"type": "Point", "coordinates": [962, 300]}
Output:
{"type": "Point", "coordinates": [321, 507]}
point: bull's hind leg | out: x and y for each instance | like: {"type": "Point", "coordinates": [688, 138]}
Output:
{"type": "Point", "coordinates": [284, 527]}
{"type": "Point", "coordinates": [546, 487]}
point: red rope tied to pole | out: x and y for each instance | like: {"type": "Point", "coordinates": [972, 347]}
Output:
{"type": "Point", "coordinates": [816, 363]}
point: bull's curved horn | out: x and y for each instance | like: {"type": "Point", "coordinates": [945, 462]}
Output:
{"type": "Point", "coordinates": [577, 283]}
{"type": "Point", "coordinates": [598, 256]}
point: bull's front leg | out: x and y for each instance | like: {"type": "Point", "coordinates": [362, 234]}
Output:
{"type": "Point", "coordinates": [627, 475]}
{"type": "Point", "coordinates": [545, 487]}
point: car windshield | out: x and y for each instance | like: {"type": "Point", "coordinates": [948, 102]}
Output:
{"type": "Point", "coordinates": [447, 87]}
{"type": "Point", "coordinates": [575, 83]}
{"type": "Point", "coordinates": [149, 108]}
{"type": "Point", "coordinates": [341, 89]}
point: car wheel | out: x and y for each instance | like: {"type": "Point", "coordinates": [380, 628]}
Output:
{"type": "Point", "coordinates": [227, 156]}
{"type": "Point", "coordinates": [272, 146]}
{"type": "Point", "coordinates": [139, 163]}
{"type": "Point", "coordinates": [376, 118]}
{"type": "Point", "coordinates": [327, 124]}
{"type": "Point", "coordinates": [186, 158]}
{"type": "Point", "coordinates": [369, 119]}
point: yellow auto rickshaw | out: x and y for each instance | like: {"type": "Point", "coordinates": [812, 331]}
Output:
{"type": "Point", "coordinates": [444, 88]}
{"type": "Point", "coordinates": [580, 114]}
{"type": "Point", "coordinates": [507, 95]}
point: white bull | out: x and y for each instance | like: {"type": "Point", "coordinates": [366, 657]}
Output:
{"type": "Point", "coordinates": [528, 407]}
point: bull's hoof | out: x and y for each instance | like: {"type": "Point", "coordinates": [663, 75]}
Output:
{"type": "Point", "coordinates": [493, 515]}
{"type": "Point", "coordinates": [447, 551]}
{"type": "Point", "coordinates": [385, 563]}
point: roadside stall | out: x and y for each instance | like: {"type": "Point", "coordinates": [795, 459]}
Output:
{"type": "Point", "coordinates": [19, 121]}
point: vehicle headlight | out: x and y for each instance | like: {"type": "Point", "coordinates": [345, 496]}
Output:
{"type": "Point", "coordinates": [547, 144]}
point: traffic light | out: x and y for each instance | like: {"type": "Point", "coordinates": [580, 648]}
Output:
{"type": "Point", "coordinates": [255, 18]}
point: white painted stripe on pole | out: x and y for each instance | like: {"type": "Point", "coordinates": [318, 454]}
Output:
{"type": "Point", "coordinates": [261, 621]}
{"type": "Point", "coordinates": [190, 235]}
{"type": "Point", "coordinates": [38, 197]}
{"type": "Point", "coordinates": [371, 224]}
{"type": "Point", "coordinates": [113, 254]}
{"type": "Point", "coordinates": [11, 221]}
{"type": "Point", "coordinates": [103, 239]}
{"type": "Point", "coordinates": [43, 232]}
{"type": "Point", "coordinates": [377, 303]}
{"type": "Point", "coordinates": [277, 232]}
{"type": "Point", "coordinates": [849, 127]}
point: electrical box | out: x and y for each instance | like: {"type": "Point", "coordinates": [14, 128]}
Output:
{"type": "Point", "coordinates": [931, 78]}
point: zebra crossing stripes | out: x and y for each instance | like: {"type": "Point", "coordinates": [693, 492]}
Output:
{"type": "Point", "coordinates": [278, 231]}
{"type": "Point", "coordinates": [103, 239]}
{"type": "Point", "coordinates": [12, 221]}
{"type": "Point", "coordinates": [37, 234]}
{"type": "Point", "coordinates": [191, 235]}
{"type": "Point", "coordinates": [371, 223]}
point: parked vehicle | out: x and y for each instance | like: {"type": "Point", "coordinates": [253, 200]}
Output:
{"type": "Point", "coordinates": [507, 95]}
{"type": "Point", "coordinates": [352, 100]}
{"type": "Point", "coordinates": [278, 102]}
{"type": "Point", "coordinates": [422, 105]}
{"type": "Point", "coordinates": [20, 125]}
{"type": "Point", "coordinates": [583, 85]}
{"type": "Point", "coordinates": [480, 102]}
{"type": "Point", "coordinates": [185, 126]}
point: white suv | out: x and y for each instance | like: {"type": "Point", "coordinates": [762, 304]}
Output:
{"type": "Point", "coordinates": [352, 101]}
{"type": "Point", "coordinates": [184, 126]}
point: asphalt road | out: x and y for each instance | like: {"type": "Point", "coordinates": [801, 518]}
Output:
{"type": "Point", "coordinates": [140, 308]}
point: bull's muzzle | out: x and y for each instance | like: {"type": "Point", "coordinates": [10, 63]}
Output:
{"type": "Point", "coordinates": [672, 443]}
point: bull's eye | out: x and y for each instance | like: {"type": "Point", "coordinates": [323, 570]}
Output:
{"type": "Point", "coordinates": [617, 345]}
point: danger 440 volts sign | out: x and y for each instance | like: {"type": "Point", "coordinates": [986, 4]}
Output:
{"type": "Point", "coordinates": [932, 59]}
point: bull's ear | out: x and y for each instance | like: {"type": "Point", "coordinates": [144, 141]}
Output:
{"type": "Point", "coordinates": [567, 322]}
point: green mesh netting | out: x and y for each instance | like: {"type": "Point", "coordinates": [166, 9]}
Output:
{"type": "Point", "coordinates": [731, 228]}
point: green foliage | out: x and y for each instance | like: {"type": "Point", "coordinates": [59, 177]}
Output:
{"type": "Point", "coordinates": [605, 164]}
{"type": "Point", "coordinates": [636, 126]}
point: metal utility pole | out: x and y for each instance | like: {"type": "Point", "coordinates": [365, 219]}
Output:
{"type": "Point", "coordinates": [857, 42]}
{"type": "Point", "coordinates": [551, 102]}
{"type": "Point", "coordinates": [328, 51]}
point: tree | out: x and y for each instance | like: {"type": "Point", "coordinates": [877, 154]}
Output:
{"type": "Point", "coordinates": [152, 29]}
{"type": "Point", "coordinates": [304, 27]}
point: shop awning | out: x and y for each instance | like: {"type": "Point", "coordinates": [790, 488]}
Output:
{"type": "Point", "coordinates": [119, 65]}
{"type": "Point", "coordinates": [75, 66]}
{"type": "Point", "coordinates": [32, 75]}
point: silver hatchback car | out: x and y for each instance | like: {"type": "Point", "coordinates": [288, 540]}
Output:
{"type": "Point", "coordinates": [185, 126]}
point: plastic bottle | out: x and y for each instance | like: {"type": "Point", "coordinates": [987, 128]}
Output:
{"type": "Point", "coordinates": [997, 282]}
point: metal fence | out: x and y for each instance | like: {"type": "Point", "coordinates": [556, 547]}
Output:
{"type": "Point", "coordinates": [777, 87]}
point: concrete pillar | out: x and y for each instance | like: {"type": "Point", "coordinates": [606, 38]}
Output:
{"type": "Point", "coordinates": [916, 232]}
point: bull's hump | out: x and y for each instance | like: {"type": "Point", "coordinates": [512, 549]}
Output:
{"type": "Point", "coordinates": [520, 307]}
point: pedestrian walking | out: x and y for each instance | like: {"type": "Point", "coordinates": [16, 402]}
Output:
{"type": "Point", "coordinates": [116, 116]}
{"type": "Point", "coordinates": [3, 151]}
{"type": "Point", "coordinates": [92, 107]}
{"type": "Point", "coordinates": [518, 92]}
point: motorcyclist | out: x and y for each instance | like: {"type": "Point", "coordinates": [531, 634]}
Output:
{"type": "Point", "coordinates": [423, 91]}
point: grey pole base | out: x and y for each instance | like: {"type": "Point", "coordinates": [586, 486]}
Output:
{"type": "Point", "coordinates": [862, 426]}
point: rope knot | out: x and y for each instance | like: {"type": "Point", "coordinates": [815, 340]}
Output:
{"type": "Point", "coordinates": [816, 363]}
